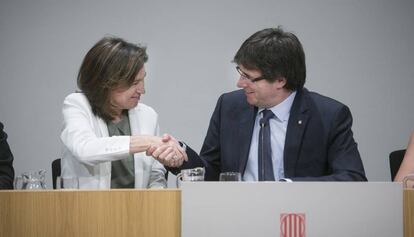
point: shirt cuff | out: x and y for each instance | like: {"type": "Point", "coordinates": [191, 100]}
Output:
{"type": "Point", "coordinates": [183, 145]}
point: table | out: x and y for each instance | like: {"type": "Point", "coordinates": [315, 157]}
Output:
{"type": "Point", "coordinates": [109, 213]}
{"type": "Point", "coordinates": [408, 203]}
{"type": "Point", "coordinates": [90, 213]}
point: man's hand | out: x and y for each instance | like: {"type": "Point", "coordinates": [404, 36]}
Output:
{"type": "Point", "coordinates": [168, 152]}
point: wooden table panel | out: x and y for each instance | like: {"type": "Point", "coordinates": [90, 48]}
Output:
{"type": "Point", "coordinates": [408, 203]}
{"type": "Point", "coordinates": [90, 213]}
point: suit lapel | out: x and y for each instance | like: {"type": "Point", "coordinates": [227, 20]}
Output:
{"type": "Point", "coordinates": [245, 129]}
{"type": "Point", "coordinates": [298, 121]}
{"type": "Point", "coordinates": [134, 121]}
{"type": "Point", "coordinates": [103, 127]}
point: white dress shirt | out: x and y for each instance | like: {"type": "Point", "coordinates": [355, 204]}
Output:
{"type": "Point", "coordinates": [278, 127]}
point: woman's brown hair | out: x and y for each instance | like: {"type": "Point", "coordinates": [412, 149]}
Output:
{"type": "Point", "coordinates": [110, 63]}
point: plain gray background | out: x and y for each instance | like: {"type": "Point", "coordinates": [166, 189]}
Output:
{"type": "Point", "coordinates": [358, 52]}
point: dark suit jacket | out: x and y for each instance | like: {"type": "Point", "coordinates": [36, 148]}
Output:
{"type": "Point", "coordinates": [6, 162]}
{"type": "Point", "coordinates": [319, 143]}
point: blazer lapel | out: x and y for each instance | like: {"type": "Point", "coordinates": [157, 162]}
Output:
{"type": "Point", "coordinates": [134, 121]}
{"type": "Point", "coordinates": [104, 167]}
{"type": "Point", "coordinates": [298, 121]}
{"type": "Point", "coordinates": [245, 129]}
{"type": "Point", "coordinates": [103, 128]}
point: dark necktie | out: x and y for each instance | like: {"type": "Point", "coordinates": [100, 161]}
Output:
{"type": "Point", "coordinates": [265, 149]}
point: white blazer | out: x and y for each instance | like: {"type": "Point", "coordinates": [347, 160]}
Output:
{"type": "Point", "coordinates": [88, 149]}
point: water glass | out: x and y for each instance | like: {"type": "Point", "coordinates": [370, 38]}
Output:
{"type": "Point", "coordinates": [230, 176]}
{"type": "Point", "coordinates": [191, 175]}
{"type": "Point", "coordinates": [408, 181]}
{"type": "Point", "coordinates": [67, 183]}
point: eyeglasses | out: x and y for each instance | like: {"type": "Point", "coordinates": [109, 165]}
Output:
{"type": "Point", "coordinates": [246, 77]}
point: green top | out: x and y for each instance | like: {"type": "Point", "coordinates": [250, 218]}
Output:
{"type": "Point", "coordinates": [122, 171]}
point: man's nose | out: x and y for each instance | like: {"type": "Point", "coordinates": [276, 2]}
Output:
{"type": "Point", "coordinates": [241, 83]}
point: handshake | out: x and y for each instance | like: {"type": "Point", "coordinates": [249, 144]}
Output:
{"type": "Point", "coordinates": [168, 151]}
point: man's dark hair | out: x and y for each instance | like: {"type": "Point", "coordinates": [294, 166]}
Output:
{"type": "Point", "coordinates": [276, 54]}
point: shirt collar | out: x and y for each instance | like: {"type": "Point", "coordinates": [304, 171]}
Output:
{"type": "Point", "coordinates": [282, 110]}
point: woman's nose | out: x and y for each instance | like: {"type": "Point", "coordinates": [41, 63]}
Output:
{"type": "Point", "coordinates": [141, 88]}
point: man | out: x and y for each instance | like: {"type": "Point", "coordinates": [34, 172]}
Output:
{"type": "Point", "coordinates": [6, 162]}
{"type": "Point", "coordinates": [274, 128]}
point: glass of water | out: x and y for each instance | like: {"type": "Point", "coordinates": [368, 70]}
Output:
{"type": "Point", "coordinates": [191, 175]}
{"type": "Point", "coordinates": [67, 183]}
{"type": "Point", "coordinates": [230, 176]}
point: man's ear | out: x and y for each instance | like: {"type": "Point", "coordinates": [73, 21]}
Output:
{"type": "Point", "coordinates": [280, 82]}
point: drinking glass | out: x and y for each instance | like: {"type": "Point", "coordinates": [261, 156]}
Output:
{"type": "Point", "coordinates": [191, 175]}
{"type": "Point", "coordinates": [230, 176]}
{"type": "Point", "coordinates": [67, 183]}
{"type": "Point", "coordinates": [408, 181]}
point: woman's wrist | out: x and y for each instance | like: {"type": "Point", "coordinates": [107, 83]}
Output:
{"type": "Point", "coordinates": [141, 143]}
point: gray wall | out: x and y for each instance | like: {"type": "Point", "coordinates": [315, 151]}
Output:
{"type": "Point", "coordinates": [358, 52]}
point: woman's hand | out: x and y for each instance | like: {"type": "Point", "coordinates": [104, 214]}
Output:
{"type": "Point", "coordinates": [168, 152]}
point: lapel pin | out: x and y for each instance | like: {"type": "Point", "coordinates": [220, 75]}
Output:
{"type": "Point", "coordinates": [300, 122]}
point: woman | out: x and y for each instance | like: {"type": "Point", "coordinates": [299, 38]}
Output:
{"type": "Point", "coordinates": [106, 130]}
{"type": "Point", "coordinates": [407, 165]}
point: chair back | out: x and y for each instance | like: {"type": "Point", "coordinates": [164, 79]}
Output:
{"type": "Point", "coordinates": [396, 158]}
{"type": "Point", "coordinates": [55, 171]}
